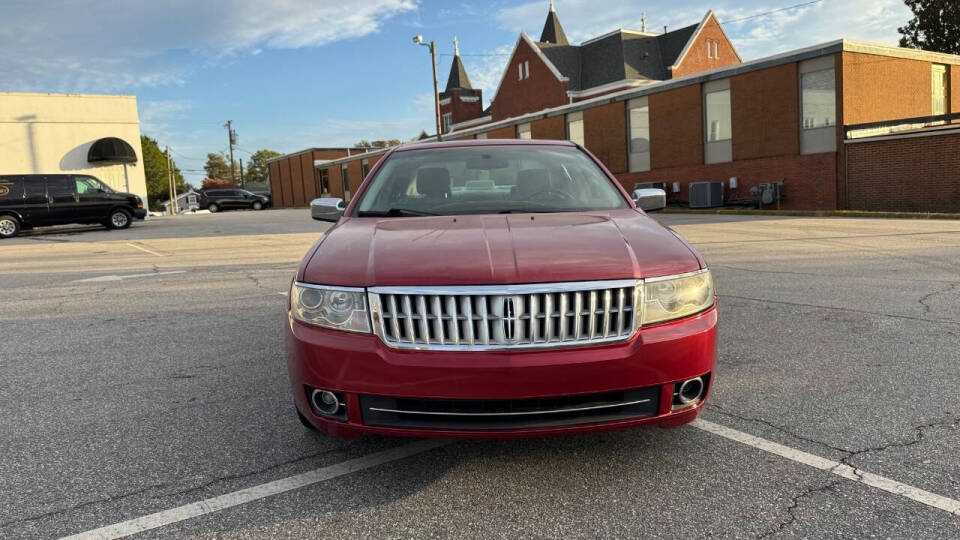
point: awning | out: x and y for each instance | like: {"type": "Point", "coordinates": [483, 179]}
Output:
{"type": "Point", "coordinates": [113, 150]}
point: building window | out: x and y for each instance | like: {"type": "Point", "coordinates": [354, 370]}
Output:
{"type": "Point", "coordinates": [322, 178]}
{"type": "Point", "coordinates": [447, 122]}
{"type": "Point", "coordinates": [344, 177]}
{"type": "Point", "coordinates": [526, 69]}
{"type": "Point", "coordinates": [709, 49]}
{"type": "Point", "coordinates": [938, 82]}
{"type": "Point", "coordinates": [638, 125]}
{"type": "Point", "coordinates": [523, 131]}
{"type": "Point", "coordinates": [713, 49]}
{"type": "Point", "coordinates": [818, 99]}
{"type": "Point", "coordinates": [481, 135]}
{"type": "Point", "coordinates": [716, 50]}
{"type": "Point", "coordinates": [520, 72]}
{"type": "Point", "coordinates": [575, 127]}
{"type": "Point", "coordinates": [364, 167]}
{"type": "Point", "coordinates": [717, 122]}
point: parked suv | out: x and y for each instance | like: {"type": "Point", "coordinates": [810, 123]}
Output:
{"type": "Point", "coordinates": [497, 289]}
{"type": "Point", "coordinates": [34, 200]}
{"type": "Point", "coordinates": [215, 200]}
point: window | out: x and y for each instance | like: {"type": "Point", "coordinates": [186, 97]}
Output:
{"type": "Point", "coordinates": [489, 180]}
{"type": "Point", "coordinates": [364, 167]}
{"type": "Point", "coordinates": [938, 82]}
{"type": "Point", "coordinates": [638, 125]}
{"type": "Point", "coordinates": [447, 122]}
{"type": "Point", "coordinates": [716, 49]}
{"type": "Point", "coordinates": [61, 186]}
{"type": "Point", "coordinates": [345, 182]}
{"type": "Point", "coordinates": [709, 49]}
{"type": "Point", "coordinates": [523, 131]}
{"type": "Point", "coordinates": [575, 127]}
{"type": "Point", "coordinates": [481, 135]}
{"type": "Point", "coordinates": [818, 99]}
{"type": "Point", "coordinates": [322, 178]}
{"type": "Point", "coordinates": [718, 116]}
{"type": "Point", "coordinates": [89, 186]}
{"type": "Point", "coordinates": [526, 69]}
{"type": "Point", "coordinates": [713, 49]}
{"type": "Point", "coordinates": [520, 72]}
{"type": "Point", "coordinates": [717, 122]}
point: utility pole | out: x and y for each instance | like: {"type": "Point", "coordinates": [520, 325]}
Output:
{"type": "Point", "coordinates": [171, 184]}
{"type": "Point", "coordinates": [241, 173]}
{"type": "Point", "coordinates": [436, 92]}
{"type": "Point", "coordinates": [232, 139]}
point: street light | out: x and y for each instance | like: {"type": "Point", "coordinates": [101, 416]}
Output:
{"type": "Point", "coordinates": [418, 40]}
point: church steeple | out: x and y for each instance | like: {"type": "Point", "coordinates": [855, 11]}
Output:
{"type": "Point", "coordinates": [458, 74]}
{"type": "Point", "coordinates": [552, 31]}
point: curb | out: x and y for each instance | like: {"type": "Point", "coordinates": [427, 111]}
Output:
{"type": "Point", "coordinates": [813, 213]}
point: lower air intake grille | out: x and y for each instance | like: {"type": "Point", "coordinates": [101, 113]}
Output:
{"type": "Point", "coordinates": [509, 413]}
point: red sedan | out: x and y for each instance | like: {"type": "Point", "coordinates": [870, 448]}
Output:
{"type": "Point", "coordinates": [497, 289]}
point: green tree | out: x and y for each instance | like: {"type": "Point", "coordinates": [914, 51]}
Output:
{"type": "Point", "coordinates": [218, 166]}
{"type": "Point", "coordinates": [155, 170]}
{"type": "Point", "coordinates": [379, 143]}
{"type": "Point", "coordinates": [256, 170]}
{"type": "Point", "coordinates": [935, 26]}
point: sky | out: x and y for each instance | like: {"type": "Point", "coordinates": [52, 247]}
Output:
{"type": "Point", "coordinates": [294, 74]}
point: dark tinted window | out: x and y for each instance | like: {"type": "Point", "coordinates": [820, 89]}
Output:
{"type": "Point", "coordinates": [34, 186]}
{"type": "Point", "coordinates": [213, 193]}
{"type": "Point", "coordinates": [59, 186]}
{"type": "Point", "coordinates": [11, 187]}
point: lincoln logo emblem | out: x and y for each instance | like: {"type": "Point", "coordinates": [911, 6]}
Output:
{"type": "Point", "coordinates": [510, 318]}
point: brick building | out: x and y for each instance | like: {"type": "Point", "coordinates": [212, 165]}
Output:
{"type": "Point", "coordinates": [843, 124]}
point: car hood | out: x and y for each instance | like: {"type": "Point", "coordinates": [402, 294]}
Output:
{"type": "Point", "coordinates": [496, 249]}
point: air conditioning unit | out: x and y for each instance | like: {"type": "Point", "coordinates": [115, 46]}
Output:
{"type": "Point", "coordinates": [650, 185]}
{"type": "Point", "coordinates": [706, 194]}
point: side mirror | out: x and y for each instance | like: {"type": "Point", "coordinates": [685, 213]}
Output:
{"type": "Point", "coordinates": [650, 199]}
{"type": "Point", "coordinates": [327, 209]}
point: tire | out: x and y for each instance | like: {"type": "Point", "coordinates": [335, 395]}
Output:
{"type": "Point", "coordinates": [213, 208]}
{"type": "Point", "coordinates": [257, 205]}
{"type": "Point", "coordinates": [9, 226]}
{"type": "Point", "coordinates": [119, 219]}
{"type": "Point", "coordinates": [303, 420]}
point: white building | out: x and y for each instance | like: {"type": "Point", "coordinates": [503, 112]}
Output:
{"type": "Point", "coordinates": [54, 133]}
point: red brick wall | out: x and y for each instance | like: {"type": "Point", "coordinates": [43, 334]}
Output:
{"type": "Point", "coordinates": [918, 174]}
{"type": "Point", "coordinates": [765, 106]}
{"type": "Point", "coordinates": [809, 180]}
{"type": "Point", "coordinates": [541, 91]}
{"type": "Point", "coordinates": [605, 134]}
{"type": "Point", "coordinates": [553, 127]}
{"type": "Point", "coordinates": [462, 110]}
{"type": "Point", "coordinates": [676, 127]}
{"type": "Point", "coordinates": [879, 88]}
{"type": "Point", "coordinates": [507, 132]}
{"type": "Point", "coordinates": [696, 59]}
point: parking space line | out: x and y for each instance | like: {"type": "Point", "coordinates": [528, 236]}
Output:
{"type": "Point", "coordinates": [144, 249]}
{"type": "Point", "coordinates": [262, 491]}
{"type": "Point", "coordinates": [840, 469]}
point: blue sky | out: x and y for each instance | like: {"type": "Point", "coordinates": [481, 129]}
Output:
{"type": "Point", "coordinates": [292, 74]}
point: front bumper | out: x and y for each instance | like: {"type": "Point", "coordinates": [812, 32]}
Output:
{"type": "Point", "coordinates": [140, 213]}
{"type": "Point", "coordinates": [363, 369]}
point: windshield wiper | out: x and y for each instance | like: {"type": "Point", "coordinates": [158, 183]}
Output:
{"type": "Point", "coordinates": [394, 212]}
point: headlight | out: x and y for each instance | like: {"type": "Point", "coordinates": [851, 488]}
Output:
{"type": "Point", "coordinates": [339, 308]}
{"type": "Point", "coordinates": [674, 297]}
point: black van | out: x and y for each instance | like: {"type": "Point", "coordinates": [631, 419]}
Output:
{"type": "Point", "coordinates": [34, 200]}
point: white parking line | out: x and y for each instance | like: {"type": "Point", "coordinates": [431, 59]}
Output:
{"type": "Point", "coordinates": [145, 250]}
{"type": "Point", "coordinates": [840, 469]}
{"type": "Point", "coordinates": [121, 278]}
{"type": "Point", "coordinates": [243, 496]}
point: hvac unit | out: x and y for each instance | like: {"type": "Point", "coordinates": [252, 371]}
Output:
{"type": "Point", "coordinates": [706, 194]}
{"type": "Point", "coordinates": [650, 185]}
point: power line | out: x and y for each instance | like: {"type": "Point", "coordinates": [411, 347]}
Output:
{"type": "Point", "coordinates": [765, 13]}
{"type": "Point", "coordinates": [491, 54]}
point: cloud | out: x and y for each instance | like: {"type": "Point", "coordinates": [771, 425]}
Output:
{"type": "Point", "coordinates": [865, 20]}
{"type": "Point", "coordinates": [107, 46]}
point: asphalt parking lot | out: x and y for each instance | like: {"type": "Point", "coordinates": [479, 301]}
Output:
{"type": "Point", "coordinates": [141, 372]}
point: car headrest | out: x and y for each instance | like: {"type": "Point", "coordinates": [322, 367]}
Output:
{"type": "Point", "coordinates": [533, 180]}
{"type": "Point", "coordinates": [433, 181]}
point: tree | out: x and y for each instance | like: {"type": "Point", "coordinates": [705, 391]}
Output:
{"type": "Point", "coordinates": [935, 26]}
{"type": "Point", "coordinates": [218, 166]}
{"type": "Point", "coordinates": [216, 183]}
{"type": "Point", "coordinates": [256, 170]}
{"type": "Point", "coordinates": [379, 143]}
{"type": "Point", "coordinates": [155, 171]}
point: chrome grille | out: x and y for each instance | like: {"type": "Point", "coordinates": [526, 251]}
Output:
{"type": "Point", "coordinates": [503, 317]}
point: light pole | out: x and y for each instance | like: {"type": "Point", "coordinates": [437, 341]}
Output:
{"type": "Point", "coordinates": [436, 93]}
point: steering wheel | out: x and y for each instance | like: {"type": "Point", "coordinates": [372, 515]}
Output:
{"type": "Point", "coordinates": [562, 194]}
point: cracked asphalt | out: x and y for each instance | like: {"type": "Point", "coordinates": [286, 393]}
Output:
{"type": "Point", "coordinates": [127, 389]}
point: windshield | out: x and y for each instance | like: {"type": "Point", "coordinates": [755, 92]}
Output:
{"type": "Point", "coordinates": [90, 184]}
{"type": "Point", "coordinates": [489, 180]}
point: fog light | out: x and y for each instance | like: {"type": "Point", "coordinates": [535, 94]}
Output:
{"type": "Point", "coordinates": [325, 402]}
{"type": "Point", "coordinates": [690, 391]}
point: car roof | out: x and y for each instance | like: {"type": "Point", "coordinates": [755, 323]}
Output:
{"type": "Point", "coordinates": [482, 142]}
